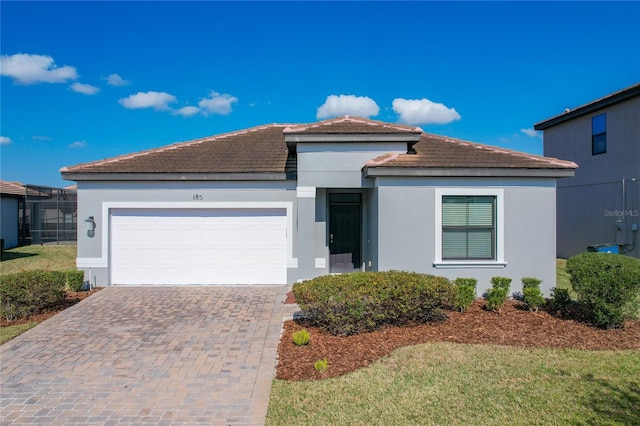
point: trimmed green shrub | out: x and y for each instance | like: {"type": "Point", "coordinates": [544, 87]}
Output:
{"type": "Point", "coordinates": [350, 303]}
{"type": "Point", "coordinates": [561, 300]}
{"type": "Point", "coordinates": [531, 293]}
{"type": "Point", "coordinates": [301, 337]}
{"type": "Point", "coordinates": [465, 293]}
{"type": "Point", "coordinates": [74, 280]}
{"type": "Point", "coordinates": [29, 292]}
{"type": "Point", "coordinates": [607, 285]}
{"type": "Point", "coordinates": [497, 294]}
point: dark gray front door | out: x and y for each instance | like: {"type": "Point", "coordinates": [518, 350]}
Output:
{"type": "Point", "coordinates": [345, 232]}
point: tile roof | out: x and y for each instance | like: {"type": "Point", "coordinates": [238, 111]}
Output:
{"type": "Point", "coordinates": [435, 151]}
{"type": "Point", "coordinates": [350, 125]}
{"type": "Point", "coordinates": [12, 188]}
{"type": "Point", "coordinates": [263, 150]}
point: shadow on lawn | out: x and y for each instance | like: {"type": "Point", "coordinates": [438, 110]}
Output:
{"type": "Point", "coordinates": [615, 402]}
{"type": "Point", "coordinates": [9, 255]}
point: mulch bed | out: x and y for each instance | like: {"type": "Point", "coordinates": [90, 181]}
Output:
{"type": "Point", "coordinates": [70, 299]}
{"type": "Point", "coordinates": [512, 326]}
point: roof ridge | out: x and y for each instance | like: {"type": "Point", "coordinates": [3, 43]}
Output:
{"type": "Point", "coordinates": [514, 153]}
{"type": "Point", "coordinates": [349, 118]}
{"type": "Point", "coordinates": [175, 145]}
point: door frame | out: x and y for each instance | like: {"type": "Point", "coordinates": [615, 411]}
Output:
{"type": "Point", "coordinates": [361, 204]}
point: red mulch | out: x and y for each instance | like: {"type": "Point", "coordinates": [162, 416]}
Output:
{"type": "Point", "coordinates": [70, 299]}
{"type": "Point", "coordinates": [512, 326]}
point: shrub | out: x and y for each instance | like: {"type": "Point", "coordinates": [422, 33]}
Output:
{"type": "Point", "coordinates": [350, 303]}
{"type": "Point", "coordinates": [301, 337]}
{"type": "Point", "coordinates": [465, 294]}
{"type": "Point", "coordinates": [561, 300]}
{"type": "Point", "coordinates": [321, 365]}
{"type": "Point", "coordinates": [29, 292]}
{"type": "Point", "coordinates": [531, 293]}
{"type": "Point", "coordinates": [607, 285]}
{"type": "Point", "coordinates": [497, 294]}
{"type": "Point", "coordinates": [74, 280]}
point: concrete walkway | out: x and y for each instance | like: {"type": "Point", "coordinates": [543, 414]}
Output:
{"type": "Point", "coordinates": [148, 355]}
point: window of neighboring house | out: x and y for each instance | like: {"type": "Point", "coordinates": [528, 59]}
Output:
{"type": "Point", "coordinates": [468, 227]}
{"type": "Point", "coordinates": [599, 134]}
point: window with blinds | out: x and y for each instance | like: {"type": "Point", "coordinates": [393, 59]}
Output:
{"type": "Point", "coordinates": [468, 227]}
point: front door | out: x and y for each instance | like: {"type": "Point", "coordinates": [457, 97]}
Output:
{"type": "Point", "coordinates": [345, 232]}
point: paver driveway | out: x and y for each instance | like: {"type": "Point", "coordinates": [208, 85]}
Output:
{"type": "Point", "coordinates": [148, 355]}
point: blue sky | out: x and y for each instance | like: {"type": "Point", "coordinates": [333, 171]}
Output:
{"type": "Point", "coordinates": [90, 80]}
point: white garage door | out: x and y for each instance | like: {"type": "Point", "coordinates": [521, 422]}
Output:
{"type": "Point", "coordinates": [193, 246]}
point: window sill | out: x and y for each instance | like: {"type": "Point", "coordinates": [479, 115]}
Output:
{"type": "Point", "coordinates": [469, 264]}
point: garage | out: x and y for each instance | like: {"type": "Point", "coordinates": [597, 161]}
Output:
{"type": "Point", "coordinates": [198, 246]}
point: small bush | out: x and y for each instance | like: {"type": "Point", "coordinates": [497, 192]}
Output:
{"type": "Point", "coordinates": [350, 303]}
{"type": "Point", "coordinates": [29, 292]}
{"type": "Point", "coordinates": [74, 280]}
{"type": "Point", "coordinates": [497, 294]}
{"type": "Point", "coordinates": [607, 285]}
{"type": "Point", "coordinates": [561, 300]}
{"type": "Point", "coordinates": [321, 365]}
{"type": "Point", "coordinates": [301, 337]}
{"type": "Point", "coordinates": [531, 293]}
{"type": "Point", "coordinates": [465, 293]}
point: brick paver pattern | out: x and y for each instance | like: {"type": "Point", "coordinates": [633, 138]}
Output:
{"type": "Point", "coordinates": [148, 355]}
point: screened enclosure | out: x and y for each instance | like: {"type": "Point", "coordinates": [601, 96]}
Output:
{"type": "Point", "coordinates": [47, 216]}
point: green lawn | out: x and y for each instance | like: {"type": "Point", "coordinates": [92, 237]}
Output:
{"type": "Point", "coordinates": [27, 258]}
{"type": "Point", "coordinates": [451, 384]}
{"type": "Point", "coordinates": [8, 333]}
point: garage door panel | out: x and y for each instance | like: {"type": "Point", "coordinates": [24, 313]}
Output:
{"type": "Point", "coordinates": [224, 246]}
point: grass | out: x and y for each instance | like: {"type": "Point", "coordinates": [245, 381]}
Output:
{"type": "Point", "coordinates": [562, 277]}
{"type": "Point", "coordinates": [8, 333]}
{"type": "Point", "coordinates": [449, 384]}
{"type": "Point", "coordinates": [28, 258]}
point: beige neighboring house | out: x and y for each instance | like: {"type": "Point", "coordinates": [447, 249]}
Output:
{"type": "Point", "coordinates": [599, 207]}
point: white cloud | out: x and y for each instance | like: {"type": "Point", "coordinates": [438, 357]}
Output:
{"type": "Point", "coordinates": [78, 144]}
{"type": "Point", "coordinates": [423, 111]}
{"type": "Point", "coordinates": [217, 103]}
{"type": "Point", "coordinates": [532, 133]}
{"type": "Point", "coordinates": [155, 100]}
{"type": "Point", "coordinates": [335, 105]}
{"type": "Point", "coordinates": [187, 111]}
{"type": "Point", "coordinates": [85, 89]}
{"type": "Point", "coordinates": [31, 69]}
{"type": "Point", "coordinates": [41, 138]}
{"type": "Point", "coordinates": [5, 140]}
{"type": "Point", "coordinates": [116, 80]}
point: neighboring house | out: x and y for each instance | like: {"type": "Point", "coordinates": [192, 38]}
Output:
{"type": "Point", "coordinates": [600, 205]}
{"type": "Point", "coordinates": [280, 203]}
{"type": "Point", "coordinates": [33, 214]}
{"type": "Point", "coordinates": [11, 195]}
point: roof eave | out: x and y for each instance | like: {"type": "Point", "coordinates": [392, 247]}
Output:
{"type": "Point", "coordinates": [607, 101]}
{"type": "Point", "coordinates": [144, 177]}
{"type": "Point", "coordinates": [467, 172]}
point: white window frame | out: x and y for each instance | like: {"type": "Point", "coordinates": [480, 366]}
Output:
{"type": "Point", "coordinates": [499, 261]}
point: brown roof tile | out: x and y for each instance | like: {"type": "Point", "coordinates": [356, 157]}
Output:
{"type": "Point", "coordinates": [263, 150]}
{"type": "Point", "coordinates": [435, 151]}
{"type": "Point", "coordinates": [12, 188]}
{"type": "Point", "coordinates": [255, 150]}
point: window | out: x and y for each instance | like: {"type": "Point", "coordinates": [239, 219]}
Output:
{"type": "Point", "coordinates": [468, 227]}
{"type": "Point", "coordinates": [599, 134]}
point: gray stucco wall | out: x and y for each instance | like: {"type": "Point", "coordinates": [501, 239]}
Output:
{"type": "Point", "coordinates": [9, 226]}
{"type": "Point", "coordinates": [590, 204]}
{"type": "Point", "coordinates": [407, 231]}
{"type": "Point", "coordinates": [92, 196]}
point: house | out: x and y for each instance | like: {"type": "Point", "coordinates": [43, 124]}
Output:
{"type": "Point", "coordinates": [11, 195]}
{"type": "Point", "coordinates": [33, 214]}
{"type": "Point", "coordinates": [599, 207]}
{"type": "Point", "coordinates": [280, 203]}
